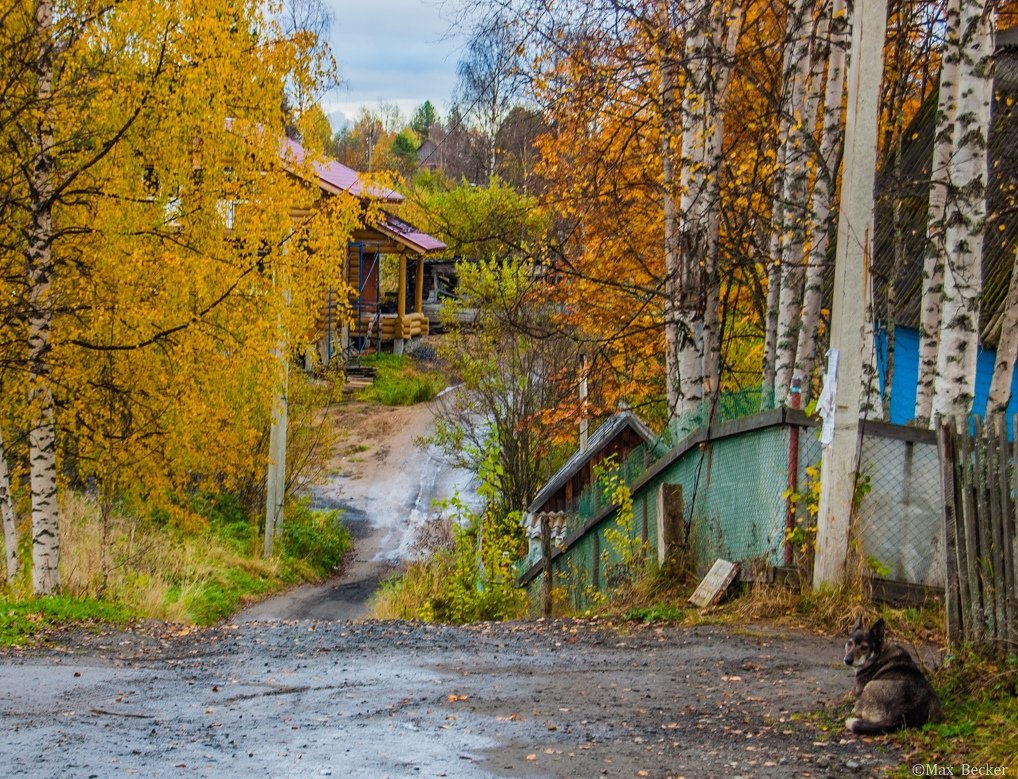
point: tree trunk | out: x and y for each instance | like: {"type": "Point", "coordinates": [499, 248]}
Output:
{"type": "Point", "coordinates": [669, 132]}
{"type": "Point", "coordinates": [933, 264]}
{"type": "Point", "coordinates": [770, 331]}
{"type": "Point", "coordinates": [1007, 350]}
{"type": "Point", "coordinates": [727, 30]}
{"type": "Point", "coordinates": [7, 516]}
{"type": "Point", "coordinates": [824, 216]}
{"type": "Point", "coordinates": [796, 129]}
{"type": "Point", "coordinates": [965, 216]}
{"type": "Point", "coordinates": [42, 438]}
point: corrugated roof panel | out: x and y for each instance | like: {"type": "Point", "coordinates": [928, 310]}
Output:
{"type": "Point", "coordinates": [336, 176]}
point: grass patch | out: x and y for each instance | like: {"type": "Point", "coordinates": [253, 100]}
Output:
{"type": "Point", "coordinates": [401, 381]}
{"type": "Point", "coordinates": [194, 564]}
{"type": "Point", "coordinates": [980, 699]}
{"type": "Point", "coordinates": [22, 622]}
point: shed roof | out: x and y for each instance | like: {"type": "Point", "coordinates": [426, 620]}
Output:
{"type": "Point", "coordinates": [612, 426]}
{"type": "Point", "coordinates": [335, 177]}
{"type": "Point", "coordinates": [405, 233]}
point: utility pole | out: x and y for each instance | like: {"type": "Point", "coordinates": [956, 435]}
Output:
{"type": "Point", "coordinates": [275, 478]}
{"type": "Point", "coordinates": [840, 461]}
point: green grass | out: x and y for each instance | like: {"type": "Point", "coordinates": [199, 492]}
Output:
{"type": "Point", "coordinates": [980, 699]}
{"type": "Point", "coordinates": [22, 622]}
{"type": "Point", "coordinates": [400, 381]}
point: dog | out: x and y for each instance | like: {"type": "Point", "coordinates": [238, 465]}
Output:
{"type": "Point", "coordinates": [891, 690]}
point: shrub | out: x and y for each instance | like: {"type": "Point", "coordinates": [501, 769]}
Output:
{"type": "Point", "coordinates": [317, 539]}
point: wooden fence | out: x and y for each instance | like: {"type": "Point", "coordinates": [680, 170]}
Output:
{"type": "Point", "coordinates": [980, 484]}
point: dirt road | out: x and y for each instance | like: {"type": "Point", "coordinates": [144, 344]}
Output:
{"type": "Point", "coordinates": [385, 485]}
{"type": "Point", "coordinates": [373, 699]}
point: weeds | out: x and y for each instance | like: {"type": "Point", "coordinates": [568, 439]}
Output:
{"type": "Point", "coordinates": [400, 382]}
{"type": "Point", "coordinates": [196, 563]}
{"type": "Point", "coordinates": [22, 621]}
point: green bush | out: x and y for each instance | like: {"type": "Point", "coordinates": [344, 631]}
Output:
{"type": "Point", "coordinates": [317, 539]}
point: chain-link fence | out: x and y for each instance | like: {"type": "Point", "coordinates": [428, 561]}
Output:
{"type": "Point", "coordinates": [899, 523]}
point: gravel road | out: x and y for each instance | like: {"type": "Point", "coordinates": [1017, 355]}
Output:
{"type": "Point", "coordinates": [391, 699]}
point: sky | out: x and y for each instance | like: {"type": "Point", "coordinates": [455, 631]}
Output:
{"type": "Point", "coordinates": [399, 51]}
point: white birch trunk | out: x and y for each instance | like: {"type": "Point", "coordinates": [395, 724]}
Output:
{"type": "Point", "coordinates": [726, 37]}
{"type": "Point", "coordinates": [824, 216]}
{"type": "Point", "coordinates": [933, 263]}
{"type": "Point", "coordinates": [795, 129]}
{"type": "Point", "coordinates": [7, 516]}
{"type": "Point", "coordinates": [1007, 349]}
{"type": "Point", "coordinates": [669, 132]}
{"type": "Point", "coordinates": [965, 215]}
{"type": "Point", "coordinates": [770, 332]}
{"type": "Point", "coordinates": [42, 438]}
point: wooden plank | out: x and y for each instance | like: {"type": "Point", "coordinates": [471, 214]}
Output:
{"type": "Point", "coordinates": [1011, 540]}
{"type": "Point", "coordinates": [998, 476]}
{"type": "Point", "coordinates": [874, 429]}
{"type": "Point", "coordinates": [714, 584]}
{"type": "Point", "coordinates": [972, 604]}
{"type": "Point", "coordinates": [973, 533]}
{"type": "Point", "coordinates": [985, 534]}
{"type": "Point", "coordinates": [945, 444]}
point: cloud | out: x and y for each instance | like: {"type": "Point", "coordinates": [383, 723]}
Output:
{"type": "Point", "coordinates": [399, 51]}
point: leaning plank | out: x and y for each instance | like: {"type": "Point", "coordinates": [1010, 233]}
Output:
{"type": "Point", "coordinates": [714, 584]}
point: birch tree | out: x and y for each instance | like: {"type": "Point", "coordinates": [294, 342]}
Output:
{"type": "Point", "coordinates": [933, 258]}
{"type": "Point", "coordinates": [130, 134]}
{"type": "Point", "coordinates": [1007, 349]}
{"type": "Point", "coordinates": [970, 42]}
{"type": "Point", "coordinates": [823, 214]}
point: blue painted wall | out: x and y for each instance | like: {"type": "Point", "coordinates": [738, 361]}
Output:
{"type": "Point", "coordinates": [906, 375]}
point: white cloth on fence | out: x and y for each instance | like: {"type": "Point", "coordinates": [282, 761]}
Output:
{"type": "Point", "coordinates": [825, 403]}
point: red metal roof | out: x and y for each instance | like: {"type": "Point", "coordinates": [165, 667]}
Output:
{"type": "Point", "coordinates": [336, 177]}
{"type": "Point", "coordinates": [406, 233]}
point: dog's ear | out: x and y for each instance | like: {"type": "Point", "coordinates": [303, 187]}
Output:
{"type": "Point", "coordinates": [858, 624]}
{"type": "Point", "coordinates": [877, 631]}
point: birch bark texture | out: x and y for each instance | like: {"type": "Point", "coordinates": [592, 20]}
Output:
{"type": "Point", "coordinates": [692, 195]}
{"type": "Point", "coordinates": [39, 262]}
{"type": "Point", "coordinates": [971, 43]}
{"type": "Point", "coordinates": [8, 517]}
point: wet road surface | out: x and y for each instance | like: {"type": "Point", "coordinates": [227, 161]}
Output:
{"type": "Point", "coordinates": [377, 699]}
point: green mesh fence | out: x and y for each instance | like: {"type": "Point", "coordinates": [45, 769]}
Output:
{"type": "Point", "coordinates": [733, 494]}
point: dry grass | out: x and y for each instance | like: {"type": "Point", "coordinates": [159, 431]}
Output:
{"type": "Point", "coordinates": [155, 571]}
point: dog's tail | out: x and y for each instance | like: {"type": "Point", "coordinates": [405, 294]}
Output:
{"type": "Point", "coordinates": [862, 727]}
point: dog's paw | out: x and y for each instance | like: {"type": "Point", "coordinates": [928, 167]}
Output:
{"type": "Point", "coordinates": [850, 723]}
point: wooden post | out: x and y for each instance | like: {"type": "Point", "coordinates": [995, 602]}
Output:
{"type": "Point", "coordinates": [419, 286]}
{"type": "Point", "coordinates": [839, 465]}
{"type": "Point", "coordinates": [671, 521]}
{"type": "Point", "coordinates": [397, 343]}
{"type": "Point", "coordinates": [546, 565]}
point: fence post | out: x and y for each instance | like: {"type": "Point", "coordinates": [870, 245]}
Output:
{"type": "Point", "coordinates": [546, 565]}
{"type": "Point", "coordinates": [671, 522]}
{"type": "Point", "coordinates": [945, 444]}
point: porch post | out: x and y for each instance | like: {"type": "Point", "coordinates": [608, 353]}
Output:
{"type": "Point", "coordinates": [419, 290]}
{"type": "Point", "coordinates": [397, 344]}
